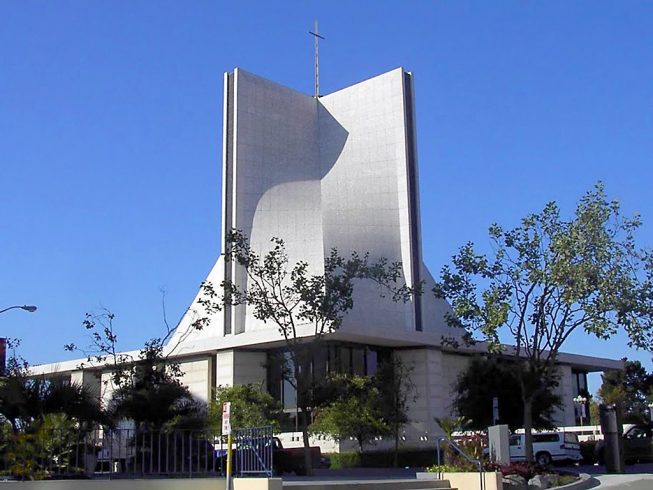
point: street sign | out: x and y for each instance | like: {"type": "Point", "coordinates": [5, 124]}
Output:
{"type": "Point", "coordinates": [226, 418]}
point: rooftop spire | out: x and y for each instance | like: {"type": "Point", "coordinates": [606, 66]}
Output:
{"type": "Point", "coordinates": [317, 37]}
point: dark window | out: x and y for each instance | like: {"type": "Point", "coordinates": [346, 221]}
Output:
{"type": "Point", "coordinates": [345, 360]}
{"type": "Point", "coordinates": [546, 437]}
{"type": "Point", "coordinates": [371, 362]}
{"type": "Point", "coordinates": [571, 437]}
{"type": "Point", "coordinates": [358, 361]}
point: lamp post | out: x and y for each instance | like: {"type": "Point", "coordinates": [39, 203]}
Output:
{"type": "Point", "coordinates": [580, 401]}
{"type": "Point", "coordinates": [30, 308]}
{"type": "Point", "coordinates": [650, 411]}
{"type": "Point", "coordinates": [3, 341]}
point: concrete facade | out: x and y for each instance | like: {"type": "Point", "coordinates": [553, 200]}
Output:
{"type": "Point", "coordinates": [335, 172]}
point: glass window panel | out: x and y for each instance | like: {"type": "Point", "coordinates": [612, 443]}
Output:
{"type": "Point", "coordinates": [358, 364]}
{"type": "Point", "coordinates": [371, 362]}
{"type": "Point", "coordinates": [345, 360]}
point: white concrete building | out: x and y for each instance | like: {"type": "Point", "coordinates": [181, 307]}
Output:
{"type": "Point", "coordinates": [339, 171]}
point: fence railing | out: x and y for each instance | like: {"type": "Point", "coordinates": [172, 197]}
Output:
{"type": "Point", "coordinates": [132, 453]}
{"type": "Point", "coordinates": [254, 451]}
{"type": "Point", "coordinates": [476, 462]}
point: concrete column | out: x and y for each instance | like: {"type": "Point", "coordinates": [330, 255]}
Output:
{"type": "Point", "coordinates": [196, 375]}
{"type": "Point", "coordinates": [90, 380]}
{"type": "Point", "coordinates": [234, 367]}
{"type": "Point", "coordinates": [430, 392]}
{"type": "Point", "coordinates": [565, 416]}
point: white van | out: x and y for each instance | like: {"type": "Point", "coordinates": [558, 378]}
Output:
{"type": "Point", "coordinates": [547, 447]}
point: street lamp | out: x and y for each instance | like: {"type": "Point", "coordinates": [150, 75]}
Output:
{"type": "Point", "coordinates": [580, 401]}
{"type": "Point", "coordinates": [3, 341]}
{"type": "Point", "coordinates": [30, 308]}
{"type": "Point", "coordinates": [650, 411]}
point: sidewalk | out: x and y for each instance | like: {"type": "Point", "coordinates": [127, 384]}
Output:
{"type": "Point", "coordinates": [637, 477]}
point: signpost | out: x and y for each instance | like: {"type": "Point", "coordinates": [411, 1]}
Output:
{"type": "Point", "coordinates": [226, 429]}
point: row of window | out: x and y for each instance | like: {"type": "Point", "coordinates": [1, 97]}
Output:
{"type": "Point", "coordinates": [329, 358]}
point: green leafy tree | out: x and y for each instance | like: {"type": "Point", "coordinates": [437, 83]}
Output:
{"type": "Point", "coordinates": [546, 279]}
{"type": "Point", "coordinates": [303, 306]}
{"type": "Point", "coordinates": [486, 378]}
{"type": "Point", "coordinates": [631, 388]}
{"type": "Point", "coordinates": [356, 412]}
{"type": "Point", "coordinates": [250, 407]}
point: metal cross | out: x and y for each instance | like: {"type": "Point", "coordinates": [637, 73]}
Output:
{"type": "Point", "coordinates": [317, 37]}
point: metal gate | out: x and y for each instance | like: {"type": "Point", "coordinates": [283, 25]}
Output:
{"type": "Point", "coordinates": [254, 451]}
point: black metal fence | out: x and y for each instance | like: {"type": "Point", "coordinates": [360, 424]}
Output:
{"type": "Point", "coordinates": [130, 453]}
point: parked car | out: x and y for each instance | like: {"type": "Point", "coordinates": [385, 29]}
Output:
{"type": "Point", "coordinates": [638, 444]}
{"type": "Point", "coordinates": [547, 447]}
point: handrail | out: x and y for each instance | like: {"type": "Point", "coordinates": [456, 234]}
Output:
{"type": "Point", "coordinates": [469, 459]}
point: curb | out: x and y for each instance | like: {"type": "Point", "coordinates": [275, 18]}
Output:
{"type": "Point", "coordinates": [586, 481]}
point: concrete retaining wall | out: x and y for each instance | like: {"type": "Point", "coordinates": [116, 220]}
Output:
{"type": "Point", "coordinates": [167, 484]}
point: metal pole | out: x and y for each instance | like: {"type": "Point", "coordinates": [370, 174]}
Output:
{"type": "Point", "coordinates": [317, 62]}
{"type": "Point", "coordinates": [317, 37]}
{"type": "Point", "coordinates": [229, 462]}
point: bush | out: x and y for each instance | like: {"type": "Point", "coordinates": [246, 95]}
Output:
{"type": "Point", "coordinates": [444, 468]}
{"type": "Point", "coordinates": [523, 469]}
{"type": "Point", "coordinates": [345, 460]}
{"type": "Point", "coordinates": [413, 458]}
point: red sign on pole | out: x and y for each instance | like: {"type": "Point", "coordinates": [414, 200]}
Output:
{"type": "Point", "coordinates": [226, 418]}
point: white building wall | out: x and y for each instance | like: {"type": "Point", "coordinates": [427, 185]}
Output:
{"type": "Point", "coordinates": [365, 190]}
{"type": "Point", "coordinates": [196, 375]}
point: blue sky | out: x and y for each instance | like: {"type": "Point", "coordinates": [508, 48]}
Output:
{"type": "Point", "coordinates": [111, 115]}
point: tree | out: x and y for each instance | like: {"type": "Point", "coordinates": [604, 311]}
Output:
{"type": "Point", "coordinates": [631, 388]}
{"type": "Point", "coordinates": [47, 420]}
{"type": "Point", "coordinates": [486, 378]}
{"type": "Point", "coordinates": [250, 407]}
{"type": "Point", "coordinates": [154, 398]}
{"type": "Point", "coordinates": [303, 306]}
{"type": "Point", "coordinates": [355, 412]}
{"type": "Point", "coordinates": [146, 387]}
{"type": "Point", "coordinates": [26, 401]}
{"type": "Point", "coordinates": [548, 278]}
{"type": "Point", "coordinates": [396, 389]}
